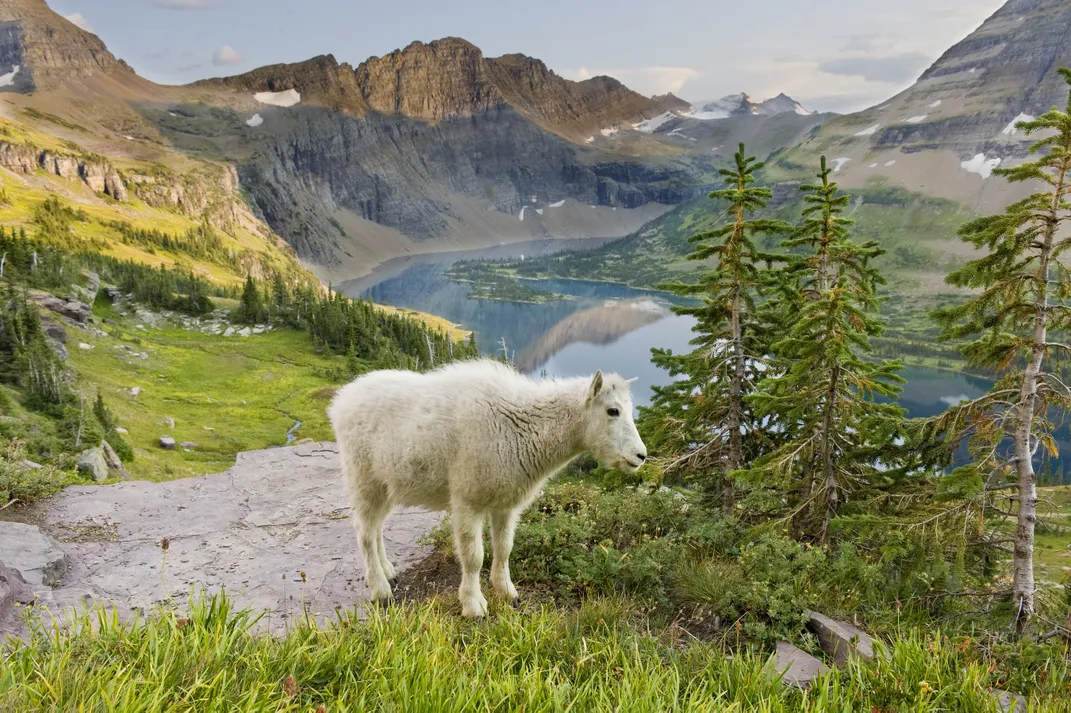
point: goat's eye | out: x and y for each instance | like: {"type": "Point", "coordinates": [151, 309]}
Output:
{"type": "Point", "coordinates": [613, 412]}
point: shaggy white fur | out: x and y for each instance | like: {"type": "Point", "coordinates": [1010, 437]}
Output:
{"type": "Point", "coordinates": [475, 438]}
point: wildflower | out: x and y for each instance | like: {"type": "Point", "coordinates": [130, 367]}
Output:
{"type": "Point", "coordinates": [303, 578]}
{"type": "Point", "coordinates": [165, 543]}
{"type": "Point", "coordinates": [924, 687]}
{"type": "Point", "coordinates": [290, 686]}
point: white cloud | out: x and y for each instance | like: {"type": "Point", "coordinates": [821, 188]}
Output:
{"type": "Point", "coordinates": [226, 55]}
{"type": "Point", "coordinates": [79, 20]}
{"type": "Point", "coordinates": [186, 4]}
{"type": "Point", "coordinates": [645, 80]}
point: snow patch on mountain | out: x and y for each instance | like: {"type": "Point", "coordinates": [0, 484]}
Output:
{"type": "Point", "coordinates": [838, 163]}
{"type": "Point", "coordinates": [557, 204]}
{"type": "Point", "coordinates": [869, 131]}
{"type": "Point", "coordinates": [934, 105]}
{"type": "Point", "coordinates": [255, 120]}
{"type": "Point", "coordinates": [7, 79]}
{"type": "Point", "coordinates": [917, 119]}
{"type": "Point", "coordinates": [1011, 129]}
{"type": "Point", "coordinates": [289, 98]}
{"type": "Point", "coordinates": [981, 165]}
{"type": "Point", "coordinates": [650, 125]}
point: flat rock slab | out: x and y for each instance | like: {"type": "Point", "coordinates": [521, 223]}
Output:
{"type": "Point", "coordinates": [797, 667]}
{"type": "Point", "coordinates": [839, 639]}
{"type": "Point", "coordinates": [252, 530]}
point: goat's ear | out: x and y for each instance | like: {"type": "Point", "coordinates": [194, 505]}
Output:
{"type": "Point", "coordinates": [596, 386]}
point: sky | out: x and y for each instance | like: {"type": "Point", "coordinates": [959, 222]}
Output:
{"type": "Point", "coordinates": [832, 55]}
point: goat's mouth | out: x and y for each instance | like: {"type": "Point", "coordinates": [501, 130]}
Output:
{"type": "Point", "coordinates": [630, 465]}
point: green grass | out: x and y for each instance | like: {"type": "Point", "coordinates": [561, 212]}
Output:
{"type": "Point", "coordinates": [598, 657]}
{"type": "Point", "coordinates": [248, 390]}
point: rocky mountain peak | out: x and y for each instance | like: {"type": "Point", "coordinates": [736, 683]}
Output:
{"type": "Point", "coordinates": [39, 49]}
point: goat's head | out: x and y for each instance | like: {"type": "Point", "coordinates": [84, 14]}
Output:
{"type": "Point", "coordinates": [609, 430]}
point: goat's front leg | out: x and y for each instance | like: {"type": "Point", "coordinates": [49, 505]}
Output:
{"type": "Point", "coordinates": [468, 541]}
{"type": "Point", "coordinates": [503, 525]}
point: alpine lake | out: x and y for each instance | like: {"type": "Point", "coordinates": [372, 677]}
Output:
{"type": "Point", "coordinates": [599, 325]}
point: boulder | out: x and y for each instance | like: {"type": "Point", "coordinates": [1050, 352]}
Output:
{"type": "Point", "coordinates": [167, 421]}
{"type": "Point", "coordinates": [71, 309]}
{"type": "Point", "coordinates": [53, 331]}
{"type": "Point", "coordinates": [120, 429]}
{"type": "Point", "coordinates": [796, 667]}
{"type": "Point", "coordinates": [30, 465]}
{"type": "Point", "coordinates": [1010, 702]}
{"type": "Point", "coordinates": [29, 550]}
{"type": "Point", "coordinates": [134, 391]}
{"type": "Point", "coordinates": [91, 462]}
{"type": "Point", "coordinates": [167, 443]}
{"type": "Point", "coordinates": [839, 639]}
{"type": "Point", "coordinates": [113, 293]}
{"type": "Point", "coordinates": [92, 282]}
{"type": "Point", "coordinates": [112, 459]}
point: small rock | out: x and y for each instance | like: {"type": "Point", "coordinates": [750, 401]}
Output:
{"type": "Point", "coordinates": [208, 428]}
{"type": "Point", "coordinates": [33, 553]}
{"type": "Point", "coordinates": [30, 465]}
{"type": "Point", "coordinates": [1010, 702]}
{"type": "Point", "coordinates": [111, 458]}
{"type": "Point", "coordinates": [113, 293]}
{"type": "Point", "coordinates": [84, 347]}
{"type": "Point", "coordinates": [840, 640]}
{"type": "Point", "coordinates": [190, 444]}
{"type": "Point", "coordinates": [58, 349]}
{"type": "Point", "coordinates": [168, 421]}
{"type": "Point", "coordinates": [53, 330]}
{"type": "Point", "coordinates": [120, 429]}
{"type": "Point", "coordinates": [134, 391]}
{"type": "Point", "coordinates": [13, 590]}
{"type": "Point", "coordinates": [229, 332]}
{"type": "Point", "coordinates": [91, 462]}
{"type": "Point", "coordinates": [798, 667]}
{"type": "Point", "coordinates": [245, 331]}
{"type": "Point", "coordinates": [167, 443]}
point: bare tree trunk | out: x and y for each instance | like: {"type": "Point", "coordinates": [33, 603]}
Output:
{"type": "Point", "coordinates": [1023, 586]}
{"type": "Point", "coordinates": [832, 494]}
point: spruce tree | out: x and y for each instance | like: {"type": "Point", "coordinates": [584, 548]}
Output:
{"type": "Point", "coordinates": [703, 418]}
{"type": "Point", "coordinates": [820, 393]}
{"type": "Point", "coordinates": [1021, 296]}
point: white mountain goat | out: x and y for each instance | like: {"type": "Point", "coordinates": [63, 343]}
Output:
{"type": "Point", "coordinates": [475, 438]}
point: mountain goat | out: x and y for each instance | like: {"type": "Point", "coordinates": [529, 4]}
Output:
{"type": "Point", "coordinates": [475, 438]}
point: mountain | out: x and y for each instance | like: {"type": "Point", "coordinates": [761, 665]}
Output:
{"type": "Point", "coordinates": [945, 134]}
{"type": "Point", "coordinates": [742, 105]}
{"type": "Point", "coordinates": [39, 49]}
{"type": "Point", "coordinates": [428, 148]}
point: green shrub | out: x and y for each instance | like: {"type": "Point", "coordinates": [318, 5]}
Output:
{"type": "Point", "coordinates": [26, 484]}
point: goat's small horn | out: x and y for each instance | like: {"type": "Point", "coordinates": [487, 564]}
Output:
{"type": "Point", "coordinates": [629, 381]}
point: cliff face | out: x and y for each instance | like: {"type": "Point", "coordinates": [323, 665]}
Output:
{"type": "Point", "coordinates": [47, 49]}
{"type": "Point", "coordinates": [451, 78]}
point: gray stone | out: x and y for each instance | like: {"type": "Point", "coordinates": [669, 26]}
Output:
{"type": "Point", "coordinates": [113, 460]}
{"type": "Point", "coordinates": [276, 512]}
{"type": "Point", "coordinates": [113, 293]}
{"type": "Point", "coordinates": [134, 391]}
{"type": "Point", "coordinates": [32, 552]}
{"type": "Point", "coordinates": [84, 347]}
{"type": "Point", "coordinates": [92, 281]}
{"type": "Point", "coordinates": [73, 310]}
{"type": "Point", "coordinates": [840, 640]}
{"type": "Point", "coordinates": [245, 331]}
{"type": "Point", "coordinates": [190, 444]}
{"type": "Point", "coordinates": [167, 443]}
{"type": "Point", "coordinates": [1010, 702]}
{"type": "Point", "coordinates": [54, 331]}
{"type": "Point", "coordinates": [14, 590]}
{"type": "Point", "coordinates": [167, 421]}
{"type": "Point", "coordinates": [91, 462]}
{"type": "Point", "coordinates": [797, 667]}
{"type": "Point", "coordinates": [30, 465]}
{"type": "Point", "coordinates": [229, 332]}
{"type": "Point", "coordinates": [120, 429]}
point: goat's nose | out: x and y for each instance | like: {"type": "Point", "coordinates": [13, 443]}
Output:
{"type": "Point", "coordinates": [641, 456]}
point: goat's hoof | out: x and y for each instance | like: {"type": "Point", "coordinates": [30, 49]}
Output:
{"type": "Point", "coordinates": [516, 603]}
{"type": "Point", "coordinates": [383, 603]}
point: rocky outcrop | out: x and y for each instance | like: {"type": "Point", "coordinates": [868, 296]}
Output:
{"type": "Point", "coordinates": [14, 591]}
{"type": "Point", "coordinates": [271, 530]}
{"type": "Point", "coordinates": [78, 312]}
{"type": "Point", "coordinates": [48, 49]}
{"type": "Point", "coordinates": [99, 175]}
{"type": "Point", "coordinates": [796, 667]}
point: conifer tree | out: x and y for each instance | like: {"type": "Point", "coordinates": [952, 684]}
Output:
{"type": "Point", "coordinates": [703, 417]}
{"type": "Point", "coordinates": [1023, 286]}
{"type": "Point", "coordinates": [819, 394]}
{"type": "Point", "coordinates": [251, 309]}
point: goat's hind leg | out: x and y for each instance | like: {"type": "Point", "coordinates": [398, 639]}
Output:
{"type": "Point", "coordinates": [370, 508]}
{"type": "Point", "coordinates": [468, 541]}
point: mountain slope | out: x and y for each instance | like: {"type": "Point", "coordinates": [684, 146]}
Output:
{"type": "Point", "coordinates": [944, 134]}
